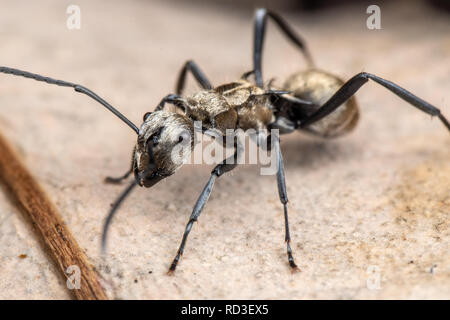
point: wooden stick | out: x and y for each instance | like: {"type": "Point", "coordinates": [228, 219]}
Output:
{"type": "Point", "coordinates": [48, 221]}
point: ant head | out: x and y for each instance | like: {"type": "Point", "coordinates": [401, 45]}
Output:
{"type": "Point", "coordinates": [165, 142]}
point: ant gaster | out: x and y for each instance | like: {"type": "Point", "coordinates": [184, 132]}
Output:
{"type": "Point", "coordinates": [313, 100]}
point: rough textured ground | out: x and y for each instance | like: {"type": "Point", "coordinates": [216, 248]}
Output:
{"type": "Point", "coordinates": [376, 200]}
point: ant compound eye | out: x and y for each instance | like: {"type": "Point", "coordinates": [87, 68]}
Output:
{"type": "Point", "coordinates": [155, 140]}
{"type": "Point", "coordinates": [147, 115]}
{"type": "Point", "coordinates": [184, 136]}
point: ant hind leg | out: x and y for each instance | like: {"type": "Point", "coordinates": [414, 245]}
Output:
{"type": "Point", "coordinates": [354, 84]}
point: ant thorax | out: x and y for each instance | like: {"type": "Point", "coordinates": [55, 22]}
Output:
{"type": "Point", "coordinates": [234, 105]}
{"type": "Point", "coordinates": [212, 110]}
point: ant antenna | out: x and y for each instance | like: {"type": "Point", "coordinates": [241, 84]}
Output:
{"type": "Point", "coordinates": [77, 87]}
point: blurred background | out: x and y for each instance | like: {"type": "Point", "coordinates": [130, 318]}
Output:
{"type": "Point", "coordinates": [377, 197]}
{"type": "Point", "coordinates": [311, 5]}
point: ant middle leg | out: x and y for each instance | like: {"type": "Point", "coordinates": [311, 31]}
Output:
{"type": "Point", "coordinates": [349, 88]}
{"type": "Point", "coordinates": [281, 182]}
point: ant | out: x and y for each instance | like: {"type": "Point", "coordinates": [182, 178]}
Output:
{"type": "Point", "coordinates": [313, 100]}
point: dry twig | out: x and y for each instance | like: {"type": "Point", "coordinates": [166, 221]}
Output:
{"type": "Point", "coordinates": [48, 221]}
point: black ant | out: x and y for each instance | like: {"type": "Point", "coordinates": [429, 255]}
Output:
{"type": "Point", "coordinates": [311, 100]}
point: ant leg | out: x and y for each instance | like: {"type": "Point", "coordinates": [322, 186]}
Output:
{"type": "Point", "coordinates": [247, 74]}
{"type": "Point", "coordinates": [351, 86]}
{"type": "Point", "coordinates": [174, 99]}
{"type": "Point", "coordinates": [196, 72]}
{"type": "Point", "coordinates": [113, 211]}
{"type": "Point", "coordinates": [225, 166]}
{"type": "Point", "coordinates": [261, 16]}
{"type": "Point", "coordinates": [117, 180]}
{"type": "Point", "coordinates": [283, 198]}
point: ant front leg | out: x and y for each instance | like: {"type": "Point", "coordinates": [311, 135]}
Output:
{"type": "Point", "coordinates": [281, 182]}
{"type": "Point", "coordinates": [354, 84]}
{"type": "Point", "coordinates": [261, 16]}
{"type": "Point", "coordinates": [225, 166]}
{"type": "Point", "coordinates": [117, 180]}
{"type": "Point", "coordinates": [192, 67]}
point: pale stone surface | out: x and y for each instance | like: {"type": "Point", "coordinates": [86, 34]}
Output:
{"type": "Point", "coordinates": [377, 199]}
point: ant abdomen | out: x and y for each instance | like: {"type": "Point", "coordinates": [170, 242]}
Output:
{"type": "Point", "coordinates": [318, 86]}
